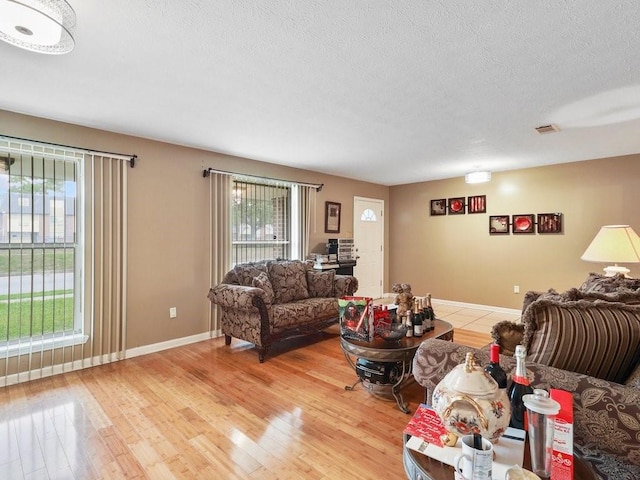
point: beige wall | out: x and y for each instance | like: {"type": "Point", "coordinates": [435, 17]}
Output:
{"type": "Point", "coordinates": [455, 258]}
{"type": "Point", "coordinates": [169, 220]}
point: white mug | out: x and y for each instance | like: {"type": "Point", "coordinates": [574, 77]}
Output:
{"type": "Point", "coordinates": [474, 464]}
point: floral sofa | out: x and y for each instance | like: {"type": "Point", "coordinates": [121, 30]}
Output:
{"type": "Point", "coordinates": [270, 301]}
{"type": "Point", "coordinates": [590, 335]}
{"type": "Point", "coordinates": [606, 414]}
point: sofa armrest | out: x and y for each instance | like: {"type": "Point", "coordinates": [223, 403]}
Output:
{"type": "Point", "coordinates": [606, 414]}
{"type": "Point", "coordinates": [345, 285]}
{"type": "Point", "coordinates": [236, 296]}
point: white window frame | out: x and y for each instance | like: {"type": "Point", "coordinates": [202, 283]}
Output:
{"type": "Point", "coordinates": [40, 343]}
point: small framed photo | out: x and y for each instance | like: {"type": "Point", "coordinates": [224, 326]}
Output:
{"type": "Point", "coordinates": [457, 206]}
{"type": "Point", "coordinates": [439, 206]}
{"type": "Point", "coordinates": [523, 223]}
{"type": "Point", "coordinates": [499, 224]}
{"type": "Point", "coordinates": [549, 223]}
{"type": "Point", "coordinates": [477, 204]}
{"type": "Point", "coordinates": [332, 217]}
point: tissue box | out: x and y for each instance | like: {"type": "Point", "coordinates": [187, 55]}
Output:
{"type": "Point", "coordinates": [562, 456]}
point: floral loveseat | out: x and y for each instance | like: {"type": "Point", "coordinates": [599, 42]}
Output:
{"type": "Point", "coordinates": [270, 301]}
{"type": "Point", "coordinates": [606, 414]}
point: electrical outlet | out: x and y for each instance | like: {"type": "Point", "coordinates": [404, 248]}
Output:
{"type": "Point", "coordinates": [173, 312]}
{"type": "Point", "coordinates": [516, 289]}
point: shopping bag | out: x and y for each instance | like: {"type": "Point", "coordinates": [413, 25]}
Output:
{"type": "Point", "coordinates": [356, 318]}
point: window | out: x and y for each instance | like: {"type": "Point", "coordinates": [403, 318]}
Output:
{"type": "Point", "coordinates": [40, 297]}
{"type": "Point", "coordinates": [368, 216]}
{"type": "Point", "coordinates": [260, 221]}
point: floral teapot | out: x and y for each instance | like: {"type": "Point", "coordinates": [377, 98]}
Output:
{"type": "Point", "coordinates": [468, 401]}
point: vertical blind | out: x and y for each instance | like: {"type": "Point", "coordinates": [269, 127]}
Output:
{"type": "Point", "coordinates": [62, 259]}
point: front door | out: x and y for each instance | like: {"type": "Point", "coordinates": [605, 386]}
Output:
{"type": "Point", "coordinates": [368, 237]}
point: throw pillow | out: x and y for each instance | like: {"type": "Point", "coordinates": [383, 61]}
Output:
{"type": "Point", "coordinates": [622, 295]}
{"type": "Point", "coordinates": [262, 281]}
{"type": "Point", "coordinates": [320, 283]}
{"type": "Point", "coordinates": [507, 334]}
{"type": "Point", "coordinates": [246, 272]}
{"type": "Point", "coordinates": [597, 282]}
{"type": "Point", "coordinates": [289, 280]}
{"type": "Point", "coordinates": [596, 338]}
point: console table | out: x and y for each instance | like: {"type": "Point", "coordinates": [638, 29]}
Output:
{"type": "Point", "coordinates": [400, 353]}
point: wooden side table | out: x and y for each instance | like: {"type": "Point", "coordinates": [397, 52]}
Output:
{"type": "Point", "coordinates": [400, 353]}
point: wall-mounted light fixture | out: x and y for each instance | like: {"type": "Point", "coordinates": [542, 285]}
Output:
{"type": "Point", "coordinates": [479, 176]}
{"type": "Point", "coordinates": [43, 26]}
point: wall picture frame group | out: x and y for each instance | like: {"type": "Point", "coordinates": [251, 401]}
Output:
{"type": "Point", "coordinates": [459, 205]}
{"type": "Point", "coordinates": [332, 217]}
{"type": "Point", "coordinates": [547, 223]}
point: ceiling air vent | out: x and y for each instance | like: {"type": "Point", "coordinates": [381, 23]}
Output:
{"type": "Point", "coordinates": [547, 129]}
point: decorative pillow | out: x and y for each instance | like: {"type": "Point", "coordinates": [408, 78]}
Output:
{"type": "Point", "coordinates": [622, 295]}
{"type": "Point", "coordinates": [320, 283]}
{"type": "Point", "coordinates": [551, 294]}
{"type": "Point", "coordinates": [507, 334]}
{"type": "Point", "coordinates": [289, 280]}
{"type": "Point", "coordinates": [262, 281]}
{"type": "Point", "coordinates": [596, 338]}
{"type": "Point", "coordinates": [246, 272]}
{"type": "Point", "coordinates": [596, 282]}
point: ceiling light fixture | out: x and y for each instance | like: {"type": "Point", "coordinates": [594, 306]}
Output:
{"type": "Point", "coordinates": [43, 26]}
{"type": "Point", "coordinates": [479, 176]}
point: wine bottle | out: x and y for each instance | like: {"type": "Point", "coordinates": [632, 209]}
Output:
{"type": "Point", "coordinates": [431, 313]}
{"type": "Point", "coordinates": [417, 318]}
{"type": "Point", "coordinates": [519, 387]}
{"type": "Point", "coordinates": [409, 323]}
{"type": "Point", "coordinates": [494, 369]}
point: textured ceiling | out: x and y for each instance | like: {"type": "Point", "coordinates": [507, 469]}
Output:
{"type": "Point", "coordinates": [388, 91]}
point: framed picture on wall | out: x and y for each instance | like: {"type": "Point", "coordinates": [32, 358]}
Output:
{"type": "Point", "coordinates": [549, 223]}
{"type": "Point", "coordinates": [477, 204]}
{"type": "Point", "coordinates": [456, 206]}
{"type": "Point", "coordinates": [332, 217]}
{"type": "Point", "coordinates": [523, 223]}
{"type": "Point", "coordinates": [439, 206]}
{"type": "Point", "coordinates": [499, 224]}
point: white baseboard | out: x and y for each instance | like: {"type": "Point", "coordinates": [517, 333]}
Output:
{"type": "Point", "coordinates": [476, 306]}
{"type": "Point", "coordinates": [13, 379]}
{"type": "Point", "coordinates": [176, 342]}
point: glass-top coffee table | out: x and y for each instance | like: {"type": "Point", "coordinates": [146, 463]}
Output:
{"type": "Point", "coordinates": [385, 368]}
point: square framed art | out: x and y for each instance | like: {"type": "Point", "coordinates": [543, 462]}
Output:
{"type": "Point", "coordinates": [523, 223]}
{"type": "Point", "coordinates": [549, 223]}
{"type": "Point", "coordinates": [477, 204]}
{"type": "Point", "coordinates": [439, 206]}
{"type": "Point", "coordinates": [499, 224]}
{"type": "Point", "coordinates": [457, 206]}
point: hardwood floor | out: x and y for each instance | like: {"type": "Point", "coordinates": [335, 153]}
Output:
{"type": "Point", "coordinates": [207, 411]}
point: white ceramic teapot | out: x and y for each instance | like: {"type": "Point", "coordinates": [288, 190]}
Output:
{"type": "Point", "coordinates": [469, 401]}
